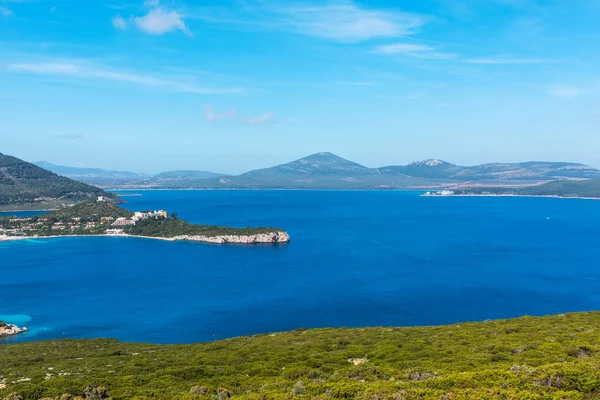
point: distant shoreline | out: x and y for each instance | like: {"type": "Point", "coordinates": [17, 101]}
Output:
{"type": "Point", "coordinates": [514, 195]}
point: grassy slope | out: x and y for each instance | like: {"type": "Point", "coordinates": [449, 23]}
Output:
{"type": "Point", "coordinates": [528, 358]}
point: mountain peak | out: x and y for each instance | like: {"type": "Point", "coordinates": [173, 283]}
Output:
{"type": "Point", "coordinates": [432, 162]}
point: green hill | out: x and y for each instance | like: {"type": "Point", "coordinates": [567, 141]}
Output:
{"type": "Point", "coordinates": [27, 186]}
{"type": "Point", "coordinates": [588, 188]}
{"type": "Point", "coordinates": [554, 357]}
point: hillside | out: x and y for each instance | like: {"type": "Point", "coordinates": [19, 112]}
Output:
{"type": "Point", "coordinates": [187, 174]}
{"type": "Point", "coordinates": [554, 357]}
{"type": "Point", "coordinates": [27, 186]}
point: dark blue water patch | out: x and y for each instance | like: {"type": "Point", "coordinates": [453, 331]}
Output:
{"type": "Point", "coordinates": [356, 259]}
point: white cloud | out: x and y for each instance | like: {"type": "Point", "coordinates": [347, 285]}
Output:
{"type": "Point", "coordinates": [159, 22]}
{"type": "Point", "coordinates": [6, 12]}
{"type": "Point", "coordinates": [119, 22]}
{"type": "Point", "coordinates": [347, 22]}
{"type": "Point", "coordinates": [212, 117]}
{"type": "Point", "coordinates": [565, 91]}
{"type": "Point", "coordinates": [262, 119]}
{"type": "Point", "coordinates": [77, 69]}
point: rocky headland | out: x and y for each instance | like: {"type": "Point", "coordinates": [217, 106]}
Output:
{"type": "Point", "coordinates": [270, 238]}
{"type": "Point", "coordinates": [7, 330]}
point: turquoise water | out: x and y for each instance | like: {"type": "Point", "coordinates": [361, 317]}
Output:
{"type": "Point", "coordinates": [356, 259]}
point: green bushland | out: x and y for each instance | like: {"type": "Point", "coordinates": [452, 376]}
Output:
{"type": "Point", "coordinates": [585, 188]}
{"type": "Point", "coordinates": [172, 227]}
{"type": "Point", "coordinates": [555, 357]}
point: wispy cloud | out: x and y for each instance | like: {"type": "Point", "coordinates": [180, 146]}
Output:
{"type": "Point", "coordinates": [414, 50]}
{"type": "Point", "coordinates": [349, 22]}
{"type": "Point", "coordinates": [6, 12]}
{"type": "Point", "coordinates": [211, 116]}
{"type": "Point", "coordinates": [336, 20]}
{"type": "Point", "coordinates": [81, 70]}
{"type": "Point", "coordinates": [565, 91]}
{"type": "Point", "coordinates": [69, 136]}
{"type": "Point", "coordinates": [261, 119]}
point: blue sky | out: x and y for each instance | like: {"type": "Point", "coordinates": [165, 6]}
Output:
{"type": "Point", "coordinates": [230, 86]}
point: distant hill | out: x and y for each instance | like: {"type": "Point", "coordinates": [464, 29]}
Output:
{"type": "Point", "coordinates": [26, 186]}
{"type": "Point", "coordinates": [329, 171]}
{"type": "Point", "coordinates": [92, 176]}
{"type": "Point", "coordinates": [438, 169]}
{"type": "Point", "coordinates": [317, 171]}
{"type": "Point", "coordinates": [191, 174]}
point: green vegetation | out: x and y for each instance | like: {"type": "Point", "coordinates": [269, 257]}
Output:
{"type": "Point", "coordinates": [28, 186]}
{"type": "Point", "coordinates": [168, 228]}
{"type": "Point", "coordinates": [580, 188]}
{"type": "Point", "coordinates": [554, 357]}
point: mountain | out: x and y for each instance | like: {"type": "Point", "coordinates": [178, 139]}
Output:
{"type": "Point", "coordinates": [317, 171]}
{"type": "Point", "coordinates": [92, 176]}
{"type": "Point", "coordinates": [26, 186]}
{"type": "Point", "coordinates": [329, 171]}
{"type": "Point", "coordinates": [193, 174]}
{"type": "Point", "coordinates": [538, 171]}
{"type": "Point", "coordinates": [434, 169]}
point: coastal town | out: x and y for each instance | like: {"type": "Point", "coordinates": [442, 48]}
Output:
{"type": "Point", "coordinates": [100, 220]}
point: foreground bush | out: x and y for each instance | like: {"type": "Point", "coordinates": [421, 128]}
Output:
{"type": "Point", "coordinates": [528, 358]}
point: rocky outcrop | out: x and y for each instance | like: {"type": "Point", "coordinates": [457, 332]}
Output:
{"type": "Point", "coordinates": [272, 237]}
{"type": "Point", "coordinates": [10, 330]}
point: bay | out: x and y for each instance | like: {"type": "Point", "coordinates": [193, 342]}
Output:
{"type": "Point", "coordinates": [357, 258]}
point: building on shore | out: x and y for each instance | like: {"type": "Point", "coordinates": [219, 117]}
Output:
{"type": "Point", "coordinates": [123, 222]}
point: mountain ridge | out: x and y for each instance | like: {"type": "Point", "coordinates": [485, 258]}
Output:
{"type": "Point", "coordinates": [326, 170]}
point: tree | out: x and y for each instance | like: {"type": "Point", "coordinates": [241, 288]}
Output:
{"type": "Point", "coordinates": [174, 215]}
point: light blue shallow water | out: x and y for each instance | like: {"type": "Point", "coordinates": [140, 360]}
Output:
{"type": "Point", "coordinates": [356, 259]}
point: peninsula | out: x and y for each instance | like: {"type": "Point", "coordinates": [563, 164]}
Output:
{"type": "Point", "coordinates": [580, 189]}
{"type": "Point", "coordinates": [105, 218]}
{"type": "Point", "coordinates": [10, 330]}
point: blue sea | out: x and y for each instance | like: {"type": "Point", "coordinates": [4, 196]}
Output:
{"type": "Point", "coordinates": [357, 258]}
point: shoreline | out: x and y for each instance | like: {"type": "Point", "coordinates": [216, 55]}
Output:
{"type": "Point", "coordinates": [514, 195]}
{"type": "Point", "coordinates": [274, 237]}
{"type": "Point", "coordinates": [9, 330]}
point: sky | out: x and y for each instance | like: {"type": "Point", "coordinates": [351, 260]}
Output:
{"type": "Point", "coordinates": [234, 85]}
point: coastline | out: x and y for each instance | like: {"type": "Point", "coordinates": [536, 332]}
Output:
{"type": "Point", "coordinates": [262, 238]}
{"type": "Point", "coordinates": [514, 195]}
{"type": "Point", "coordinates": [9, 330]}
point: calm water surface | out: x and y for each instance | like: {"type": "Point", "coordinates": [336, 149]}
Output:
{"type": "Point", "coordinates": [356, 259]}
